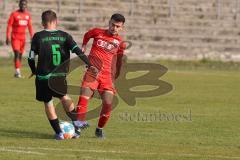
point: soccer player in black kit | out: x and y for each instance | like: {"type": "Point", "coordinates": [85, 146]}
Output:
{"type": "Point", "coordinates": [53, 48]}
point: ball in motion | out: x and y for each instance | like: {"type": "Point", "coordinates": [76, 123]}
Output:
{"type": "Point", "coordinates": [67, 129]}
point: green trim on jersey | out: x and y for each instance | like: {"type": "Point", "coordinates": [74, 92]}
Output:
{"type": "Point", "coordinates": [46, 77]}
{"type": "Point", "coordinates": [74, 47]}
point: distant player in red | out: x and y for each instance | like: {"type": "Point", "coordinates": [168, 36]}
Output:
{"type": "Point", "coordinates": [18, 21]}
{"type": "Point", "coordinates": [106, 55]}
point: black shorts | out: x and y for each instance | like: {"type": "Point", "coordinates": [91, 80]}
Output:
{"type": "Point", "coordinates": [53, 87]}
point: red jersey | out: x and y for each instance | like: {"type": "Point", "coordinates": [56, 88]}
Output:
{"type": "Point", "coordinates": [19, 21]}
{"type": "Point", "coordinates": [105, 49]}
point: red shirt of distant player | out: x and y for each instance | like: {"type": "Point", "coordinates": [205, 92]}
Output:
{"type": "Point", "coordinates": [18, 22]}
{"type": "Point", "coordinates": [103, 55]}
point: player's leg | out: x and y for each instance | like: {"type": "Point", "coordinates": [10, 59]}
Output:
{"type": "Point", "coordinates": [107, 100]}
{"type": "Point", "coordinates": [69, 107]}
{"type": "Point", "coordinates": [53, 119]}
{"type": "Point", "coordinates": [16, 46]}
{"type": "Point", "coordinates": [19, 57]}
{"type": "Point", "coordinates": [22, 48]}
{"type": "Point", "coordinates": [57, 87]}
{"type": "Point", "coordinates": [17, 64]}
{"type": "Point", "coordinates": [43, 94]}
{"type": "Point", "coordinates": [89, 85]}
{"type": "Point", "coordinates": [85, 95]}
{"type": "Point", "coordinates": [71, 113]}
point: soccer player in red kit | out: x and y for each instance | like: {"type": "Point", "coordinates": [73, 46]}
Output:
{"type": "Point", "coordinates": [18, 21]}
{"type": "Point", "coordinates": [106, 55]}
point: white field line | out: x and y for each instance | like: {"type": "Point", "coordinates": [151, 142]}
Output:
{"type": "Point", "coordinates": [27, 151]}
{"type": "Point", "coordinates": [65, 149]}
{"type": "Point", "coordinates": [20, 151]}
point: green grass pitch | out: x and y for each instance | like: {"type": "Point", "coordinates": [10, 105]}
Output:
{"type": "Point", "coordinates": [205, 103]}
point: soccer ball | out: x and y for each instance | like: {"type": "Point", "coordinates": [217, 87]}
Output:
{"type": "Point", "coordinates": [67, 129]}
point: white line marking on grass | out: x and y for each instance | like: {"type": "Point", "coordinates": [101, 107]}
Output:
{"type": "Point", "coordinates": [27, 150]}
{"type": "Point", "coordinates": [71, 150]}
{"type": "Point", "coordinates": [20, 151]}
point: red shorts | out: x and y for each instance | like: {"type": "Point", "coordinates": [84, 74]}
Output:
{"type": "Point", "coordinates": [18, 45]}
{"type": "Point", "coordinates": [100, 83]}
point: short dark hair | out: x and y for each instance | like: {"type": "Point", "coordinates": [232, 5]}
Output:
{"type": "Point", "coordinates": [118, 18]}
{"type": "Point", "coordinates": [48, 16]}
{"type": "Point", "coordinates": [23, 1]}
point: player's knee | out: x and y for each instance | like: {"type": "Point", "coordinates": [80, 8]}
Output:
{"type": "Point", "coordinates": [48, 104]}
{"type": "Point", "coordinates": [86, 93]}
{"type": "Point", "coordinates": [20, 56]}
{"type": "Point", "coordinates": [109, 92]}
{"type": "Point", "coordinates": [107, 97]}
{"type": "Point", "coordinates": [67, 102]}
{"type": "Point", "coordinates": [17, 54]}
{"type": "Point", "coordinates": [107, 102]}
{"type": "Point", "coordinates": [65, 98]}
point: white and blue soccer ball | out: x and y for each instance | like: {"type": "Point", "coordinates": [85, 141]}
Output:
{"type": "Point", "coordinates": [67, 129]}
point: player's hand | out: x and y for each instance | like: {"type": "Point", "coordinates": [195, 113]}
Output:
{"type": "Point", "coordinates": [83, 48]}
{"type": "Point", "coordinates": [7, 41]}
{"type": "Point", "coordinates": [32, 74]}
{"type": "Point", "coordinates": [94, 70]}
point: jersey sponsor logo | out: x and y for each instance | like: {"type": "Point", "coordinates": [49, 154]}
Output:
{"type": "Point", "coordinates": [108, 45]}
{"type": "Point", "coordinates": [23, 22]}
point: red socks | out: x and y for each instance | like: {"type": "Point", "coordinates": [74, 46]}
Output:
{"type": "Point", "coordinates": [104, 115]}
{"type": "Point", "coordinates": [82, 108]}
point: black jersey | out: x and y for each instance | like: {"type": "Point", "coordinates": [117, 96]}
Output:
{"type": "Point", "coordinates": [53, 49]}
